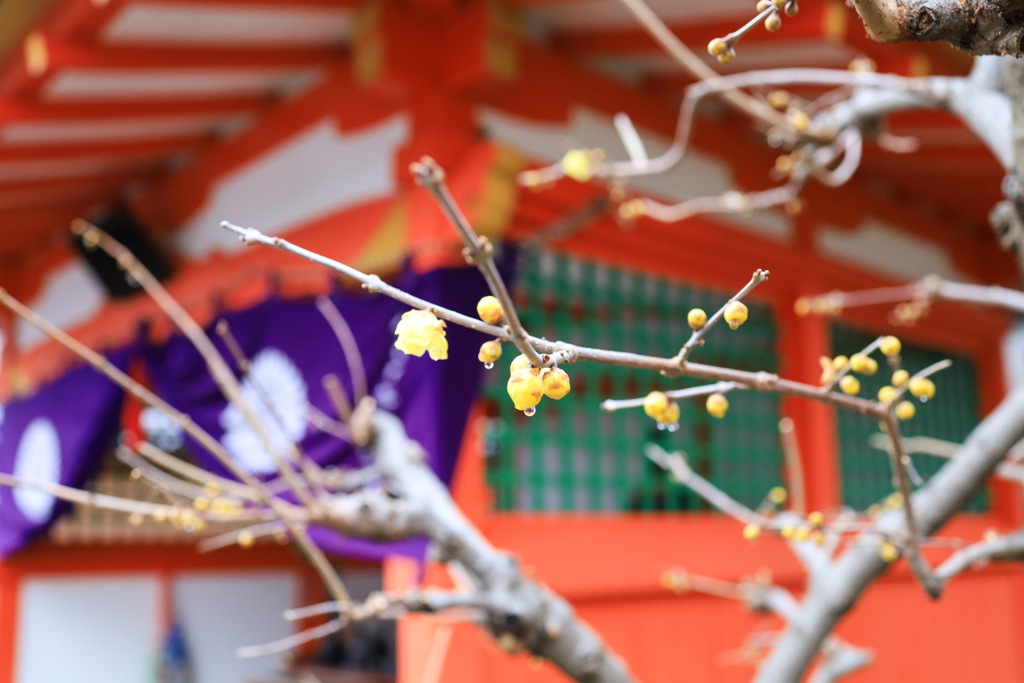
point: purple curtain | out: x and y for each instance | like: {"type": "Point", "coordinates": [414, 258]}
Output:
{"type": "Point", "coordinates": [59, 435]}
{"type": "Point", "coordinates": [292, 347]}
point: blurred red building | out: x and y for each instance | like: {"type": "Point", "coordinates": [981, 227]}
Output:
{"type": "Point", "coordinates": [300, 118]}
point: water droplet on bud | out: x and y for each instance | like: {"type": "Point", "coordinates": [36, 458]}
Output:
{"type": "Point", "coordinates": [488, 365]}
{"type": "Point", "coordinates": [674, 427]}
{"type": "Point", "coordinates": [924, 399]}
{"type": "Point", "coordinates": [661, 426]}
{"type": "Point", "coordinates": [530, 412]}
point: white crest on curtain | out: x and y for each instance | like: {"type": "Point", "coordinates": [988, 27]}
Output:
{"type": "Point", "coordinates": [282, 385]}
{"type": "Point", "coordinates": [37, 459]}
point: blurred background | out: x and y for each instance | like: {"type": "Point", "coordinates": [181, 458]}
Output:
{"type": "Point", "coordinates": [157, 119]}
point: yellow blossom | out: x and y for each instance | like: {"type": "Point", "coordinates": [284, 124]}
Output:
{"type": "Point", "coordinates": [735, 313]}
{"type": "Point", "coordinates": [526, 388]}
{"type": "Point", "coordinates": [420, 331]}
{"type": "Point", "coordinates": [696, 318]}
{"type": "Point", "coordinates": [891, 346]}
{"type": "Point", "coordinates": [555, 382]}
{"type": "Point", "coordinates": [490, 351]}
{"type": "Point", "coordinates": [489, 310]}
{"type": "Point", "coordinates": [717, 405]}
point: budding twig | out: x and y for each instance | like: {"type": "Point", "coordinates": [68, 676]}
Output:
{"type": "Point", "coordinates": [758, 277]}
{"type": "Point", "coordinates": [429, 175]}
{"type": "Point", "coordinates": [612, 405]}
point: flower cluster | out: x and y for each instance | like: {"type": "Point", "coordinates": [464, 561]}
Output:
{"type": "Point", "coordinates": [527, 385]}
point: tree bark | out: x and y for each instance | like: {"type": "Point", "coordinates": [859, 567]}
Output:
{"type": "Point", "coordinates": [832, 593]}
{"type": "Point", "coordinates": [981, 27]}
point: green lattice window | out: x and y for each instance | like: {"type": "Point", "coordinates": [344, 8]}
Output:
{"type": "Point", "coordinates": [866, 473]}
{"type": "Point", "coordinates": [573, 456]}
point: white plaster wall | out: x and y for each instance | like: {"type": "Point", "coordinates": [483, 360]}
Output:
{"type": "Point", "coordinates": [88, 630]}
{"type": "Point", "coordinates": [698, 175]}
{"type": "Point", "coordinates": [885, 249]}
{"type": "Point", "coordinates": [71, 294]}
{"type": "Point", "coordinates": [318, 171]}
{"type": "Point", "coordinates": [221, 612]}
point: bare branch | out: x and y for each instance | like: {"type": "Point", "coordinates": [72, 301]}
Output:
{"type": "Point", "coordinates": [349, 347]}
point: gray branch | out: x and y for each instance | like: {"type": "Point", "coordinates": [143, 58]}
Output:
{"type": "Point", "coordinates": [980, 27]}
{"type": "Point", "coordinates": [1004, 548]}
{"type": "Point", "coordinates": [521, 614]}
{"type": "Point", "coordinates": [831, 595]}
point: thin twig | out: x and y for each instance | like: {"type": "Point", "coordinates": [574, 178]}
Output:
{"type": "Point", "coordinates": [479, 252]}
{"type": "Point", "coordinates": [611, 405]}
{"type": "Point", "coordinates": [794, 466]}
{"type": "Point", "coordinates": [291, 642]}
{"type": "Point", "coordinates": [697, 336]}
{"type": "Point", "coordinates": [912, 547]}
{"type": "Point", "coordinates": [349, 347]}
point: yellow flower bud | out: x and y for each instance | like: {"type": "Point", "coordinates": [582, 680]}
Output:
{"type": "Point", "coordinates": [489, 310]}
{"type": "Point", "coordinates": [816, 518]}
{"type": "Point", "coordinates": [727, 56]}
{"type": "Point", "coordinates": [490, 352]}
{"type": "Point", "coordinates": [578, 165]}
{"type": "Point", "coordinates": [778, 495]}
{"type": "Point", "coordinates": [862, 364]}
{"type": "Point", "coordinates": [520, 362]}
{"type": "Point", "coordinates": [891, 346]}
{"type": "Point", "coordinates": [211, 489]}
{"type": "Point", "coordinates": [717, 47]}
{"type": "Point", "coordinates": [889, 552]}
{"type": "Point", "coordinates": [224, 507]}
{"type": "Point", "coordinates": [886, 394]}
{"type": "Point", "coordinates": [160, 515]}
{"type": "Point", "coordinates": [717, 405]}
{"type": "Point", "coordinates": [555, 382]}
{"type": "Point", "coordinates": [751, 532]}
{"type": "Point", "coordinates": [201, 503]}
{"type": "Point", "coordinates": [419, 332]}
{"type": "Point", "coordinates": [787, 532]}
{"type": "Point", "coordinates": [696, 318]}
{"type": "Point", "coordinates": [671, 414]}
{"type": "Point", "coordinates": [245, 538]}
{"type": "Point", "coordinates": [802, 533]}
{"type": "Point", "coordinates": [922, 387]}
{"type": "Point", "coordinates": [827, 371]}
{"type": "Point", "coordinates": [525, 388]}
{"type": "Point", "coordinates": [991, 536]}
{"type": "Point", "coordinates": [839, 362]}
{"type": "Point", "coordinates": [802, 307]}
{"type": "Point", "coordinates": [655, 405]}
{"type": "Point", "coordinates": [894, 501]}
{"type": "Point", "coordinates": [874, 510]}
{"type": "Point", "coordinates": [735, 314]}
{"type": "Point", "coordinates": [634, 208]}
{"type": "Point", "coordinates": [798, 120]}
{"type": "Point", "coordinates": [900, 377]}
{"type": "Point", "coordinates": [850, 385]}
{"type": "Point", "coordinates": [773, 22]}
{"type": "Point", "coordinates": [905, 410]}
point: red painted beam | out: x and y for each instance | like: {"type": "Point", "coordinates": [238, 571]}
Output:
{"type": "Point", "coordinates": [32, 194]}
{"type": "Point", "coordinates": [141, 149]}
{"type": "Point", "coordinates": [23, 110]}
